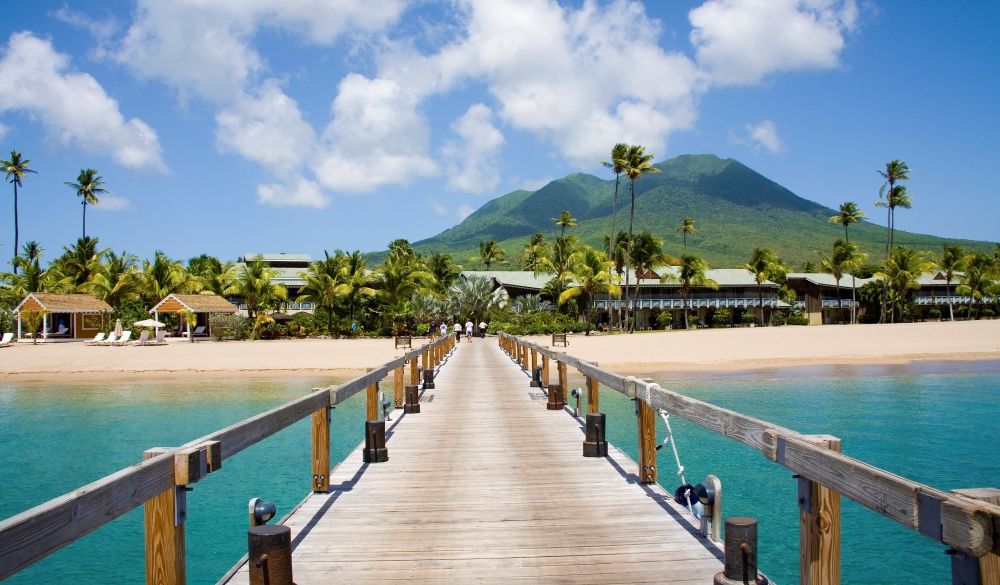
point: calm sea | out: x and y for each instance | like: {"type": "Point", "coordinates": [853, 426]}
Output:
{"type": "Point", "coordinates": [934, 423]}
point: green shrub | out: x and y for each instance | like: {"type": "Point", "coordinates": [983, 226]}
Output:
{"type": "Point", "coordinates": [235, 326]}
{"type": "Point", "coordinates": [868, 319]}
{"type": "Point", "coordinates": [934, 314]}
{"type": "Point", "coordinates": [538, 323]}
{"type": "Point", "coordinates": [721, 316]}
{"type": "Point", "coordinates": [6, 321]}
{"type": "Point", "coordinates": [988, 313]}
{"type": "Point", "coordinates": [797, 320]}
{"type": "Point", "coordinates": [748, 317]}
{"type": "Point", "coordinates": [665, 318]}
{"type": "Point", "coordinates": [423, 329]}
{"type": "Point", "coordinates": [778, 318]}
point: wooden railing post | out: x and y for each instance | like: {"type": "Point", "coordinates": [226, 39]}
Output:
{"type": "Point", "coordinates": [414, 372]}
{"type": "Point", "coordinates": [593, 396]}
{"type": "Point", "coordinates": [164, 535]}
{"type": "Point", "coordinates": [646, 431]}
{"type": "Point", "coordinates": [425, 358]}
{"type": "Point", "coordinates": [563, 378]}
{"type": "Point", "coordinates": [819, 526]}
{"type": "Point", "coordinates": [989, 565]}
{"type": "Point", "coordinates": [371, 402]}
{"type": "Point", "coordinates": [545, 370]}
{"type": "Point", "coordinates": [397, 388]}
{"type": "Point", "coordinates": [534, 360]}
{"type": "Point", "coordinates": [321, 449]}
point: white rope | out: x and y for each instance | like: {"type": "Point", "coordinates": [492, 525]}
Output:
{"type": "Point", "coordinates": [669, 439]}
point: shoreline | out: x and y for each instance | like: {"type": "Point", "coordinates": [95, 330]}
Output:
{"type": "Point", "coordinates": [685, 354]}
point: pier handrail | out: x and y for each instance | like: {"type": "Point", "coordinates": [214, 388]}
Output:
{"type": "Point", "coordinates": [969, 526]}
{"type": "Point", "coordinates": [42, 530]}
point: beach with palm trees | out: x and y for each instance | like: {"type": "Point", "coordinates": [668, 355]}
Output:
{"type": "Point", "coordinates": [644, 352]}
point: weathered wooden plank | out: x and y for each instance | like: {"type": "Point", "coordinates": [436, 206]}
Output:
{"type": "Point", "coordinates": [819, 529]}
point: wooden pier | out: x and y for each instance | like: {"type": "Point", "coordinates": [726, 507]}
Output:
{"type": "Point", "coordinates": [486, 485]}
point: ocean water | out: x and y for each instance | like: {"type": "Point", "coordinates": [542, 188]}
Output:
{"type": "Point", "coordinates": [934, 423]}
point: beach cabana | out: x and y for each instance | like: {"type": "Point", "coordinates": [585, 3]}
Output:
{"type": "Point", "coordinates": [201, 305]}
{"type": "Point", "coordinates": [73, 316]}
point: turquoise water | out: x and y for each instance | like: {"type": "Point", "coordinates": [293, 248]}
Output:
{"type": "Point", "coordinates": [57, 438]}
{"type": "Point", "coordinates": [935, 423]}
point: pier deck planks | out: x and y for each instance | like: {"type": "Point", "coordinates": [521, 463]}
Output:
{"type": "Point", "coordinates": [485, 485]}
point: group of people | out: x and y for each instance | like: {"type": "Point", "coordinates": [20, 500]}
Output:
{"type": "Point", "coordinates": [457, 328]}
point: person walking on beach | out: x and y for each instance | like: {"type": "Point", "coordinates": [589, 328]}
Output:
{"type": "Point", "coordinates": [458, 332]}
{"type": "Point", "coordinates": [468, 330]}
{"type": "Point", "coordinates": [482, 329]}
{"type": "Point", "coordinates": [444, 329]}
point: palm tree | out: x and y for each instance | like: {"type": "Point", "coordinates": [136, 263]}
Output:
{"type": "Point", "coordinates": [88, 186]}
{"type": "Point", "coordinates": [647, 254]}
{"type": "Point", "coordinates": [445, 272]}
{"type": "Point", "coordinates": [530, 304]}
{"type": "Point", "coordinates": [686, 228]}
{"type": "Point", "coordinates": [115, 280]}
{"type": "Point", "coordinates": [894, 171]}
{"type": "Point", "coordinates": [254, 284]}
{"type": "Point", "coordinates": [15, 169]}
{"type": "Point", "coordinates": [763, 264]}
{"type": "Point", "coordinates": [978, 280]}
{"type": "Point", "coordinates": [849, 213]}
{"type": "Point", "coordinates": [896, 197]}
{"type": "Point", "coordinates": [80, 262]}
{"type": "Point", "coordinates": [536, 249]}
{"type": "Point", "coordinates": [845, 258]}
{"type": "Point", "coordinates": [902, 270]}
{"type": "Point", "coordinates": [565, 220]}
{"type": "Point", "coordinates": [589, 269]}
{"type": "Point", "coordinates": [691, 273]}
{"type": "Point", "coordinates": [637, 164]}
{"type": "Point", "coordinates": [475, 296]}
{"type": "Point", "coordinates": [951, 261]}
{"type": "Point", "coordinates": [322, 286]}
{"type": "Point", "coordinates": [558, 264]}
{"type": "Point", "coordinates": [490, 252]}
{"type": "Point", "coordinates": [617, 166]}
{"type": "Point", "coordinates": [162, 277]}
{"type": "Point", "coordinates": [216, 276]}
{"type": "Point", "coordinates": [355, 279]}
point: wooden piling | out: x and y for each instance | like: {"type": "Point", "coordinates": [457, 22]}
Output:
{"type": "Point", "coordinates": [534, 360]}
{"type": "Point", "coordinates": [646, 421]}
{"type": "Point", "coordinates": [397, 388]}
{"type": "Point", "coordinates": [371, 402]}
{"type": "Point", "coordinates": [545, 371]}
{"type": "Point", "coordinates": [165, 563]}
{"type": "Point", "coordinates": [426, 358]}
{"type": "Point", "coordinates": [321, 450]}
{"type": "Point", "coordinates": [819, 529]}
{"type": "Point", "coordinates": [414, 372]}
{"type": "Point", "coordinates": [563, 378]}
{"type": "Point", "coordinates": [989, 565]}
{"type": "Point", "coordinates": [593, 396]}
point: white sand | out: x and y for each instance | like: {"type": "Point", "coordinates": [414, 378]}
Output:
{"type": "Point", "coordinates": [708, 349]}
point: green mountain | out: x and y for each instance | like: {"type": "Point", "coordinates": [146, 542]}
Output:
{"type": "Point", "coordinates": [734, 208]}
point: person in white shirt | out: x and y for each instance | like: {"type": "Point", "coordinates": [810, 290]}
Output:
{"type": "Point", "coordinates": [458, 332]}
{"type": "Point", "coordinates": [444, 329]}
{"type": "Point", "coordinates": [468, 330]}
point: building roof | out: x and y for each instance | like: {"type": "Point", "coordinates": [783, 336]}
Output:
{"type": "Point", "coordinates": [513, 278]}
{"type": "Point", "coordinates": [194, 303]}
{"type": "Point", "coordinates": [823, 279]}
{"type": "Point", "coordinates": [936, 277]}
{"type": "Point", "coordinates": [270, 258]}
{"type": "Point", "coordinates": [56, 303]}
{"type": "Point", "coordinates": [724, 276]}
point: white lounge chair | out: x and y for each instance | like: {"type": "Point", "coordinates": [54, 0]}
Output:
{"type": "Point", "coordinates": [143, 338]}
{"type": "Point", "coordinates": [62, 330]}
{"type": "Point", "coordinates": [111, 340]}
{"type": "Point", "coordinates": [199, 330]}
{"type": "Point", "coordinates": [161, 337]}
{"type": "Point", "coordinates": [126, 335]}
{"type": "Point", "coordinates": [5, 340]}
{"type": "Point", "coordinates": [99, 338]}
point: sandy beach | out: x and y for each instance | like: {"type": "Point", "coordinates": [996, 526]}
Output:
{"type": "Point", "coordinates": [645, 352]}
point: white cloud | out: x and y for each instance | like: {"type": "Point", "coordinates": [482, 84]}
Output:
{"type": "Point", "coordinates": [437, 207]}
{"type": "Point", "coordinates": [112, 203]}
{"type": "Point", "coordinates": [464, 211]}
{"type": "Point", "coordinates": [295, 192]}
{"type": "Point", "coordinates": [534, 184]}
{"type": "Point", "coordinates": [377, 137]}
{"type": "Point", "coordinates": [266, 127]}
{"type": "Point", "coordinates": [3, 131]}
{"type": "Point", "coordinates": [763, 135]}
{"type": "Point", "coordinates": [742, 41]}
{"type": "Point", "coordinates": [471, 161]}
{"type": "Point", "coordinates": [73, 107]}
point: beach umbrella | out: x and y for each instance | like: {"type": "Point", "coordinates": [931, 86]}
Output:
{"type": "Point", "coordinates": [118, 327]}
{"type": "Point", "coordinates": [148, 323]}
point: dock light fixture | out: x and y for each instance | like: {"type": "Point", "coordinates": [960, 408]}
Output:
{"type": "Point", "coordinates": [261, 511]}
{"type": "Point", "coordinates": [705, 493]}
{"type": "Point", "coordinates": [385, 405]}
{"type": "Point", "coordinates": [576, 393]}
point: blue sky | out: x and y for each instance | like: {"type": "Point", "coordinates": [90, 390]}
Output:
{"type": "Point", "coordinates": [299, 126]}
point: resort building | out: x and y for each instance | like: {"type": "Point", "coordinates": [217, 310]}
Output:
{"type": "Point", "coordinates": [516, 282]}
{"type": "Point", "coordinates": [818, 295]}
{"type": "Point", "coordinates": [288, 267]}
{"type": "Point", "coordinates": [71, 316]}
{"type": "Point", "coordinates": [203, 306]}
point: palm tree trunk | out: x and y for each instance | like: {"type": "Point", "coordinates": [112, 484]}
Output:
{"type": "Point", "coordinates": [760, 299]}
{"type": "Point", "coordinates": [85, 218]}
{"type": "Point", "coordinates": [611, 246]}
{"type": "Point", "coordinates": [951, 308]}
{"type": "Point", "coordinates": [840, 308]}
{"type": "Point", "coordinates": [628, 256]}
{"type": "Point", "coordinates": [854, 302]}
{"type": "Point", "coordinates": [15, 226]}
